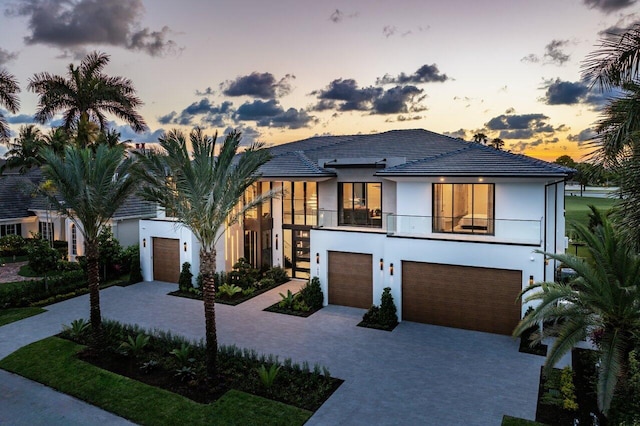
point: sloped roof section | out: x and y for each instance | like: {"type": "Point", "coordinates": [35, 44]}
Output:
{"type": "Point", "coordinates": [477, 160]}
{"type": "Point", "coordinates": [293, 164]}
{"type": "Point", "coordinates": [15, 194]}
{"type": "Point", "coordinates": [423, 153]}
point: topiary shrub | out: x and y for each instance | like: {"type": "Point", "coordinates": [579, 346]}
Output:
{"type": "Point", "coordinates": [184, 281]}
{"type": "Point", "coordinates": [312, 294]}
{"type": "Point", "coordinates": [385, 316]}
{"type": "Point", "coordinates": [135, 273]}
{"type": "Point", "coordinates": [243, 274]}
{"type": "Point", "coordinates": [42, 258]}
{"type": "Point", "coordinates": [277, 274]}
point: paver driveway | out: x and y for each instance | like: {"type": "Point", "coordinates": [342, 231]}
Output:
{"type": "Point", "coordinates": [417, 374]}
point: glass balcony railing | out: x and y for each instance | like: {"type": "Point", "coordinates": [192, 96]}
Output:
{"type": "Point", "coordinates": [447, 228]}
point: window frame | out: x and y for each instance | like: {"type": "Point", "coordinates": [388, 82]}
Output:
{"type": "Point", "coordinates": [491, 206]}
{"type": "Point", "coordinates": [341, 204]}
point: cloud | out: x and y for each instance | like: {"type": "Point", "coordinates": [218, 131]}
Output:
{"type": "Point", "coordinates": [6, 56]}
{"type": "Point", "coordinates": [338, 16]}
{"type": "Point", "coordinates": [560, 92]}
{"type": "Point", "coordinates": [271, 114]}
{"type": "Point", "coordinates": [249, 134]}
{"type": "Point", "coordinates": [553, 54]}
{"type": "Point", "coordinates": [73, 24]}
{"type": "Point", "coordinates": [347, 92]}
{"type": "Point", "coordinates": [460, 134]}
{"type": "Point", "coordinates": [209, 113]}
{"type": "Point", "coordinates": [583, 137]}
{"type": "Point", "coordinates": [19, 119]}
{"type": "Point", "coordinates": [206, 92]}
{"type": "Point", "coordinates": [623, 25]}
{"type": "Point", "coordinates": [424, 74]}
{"type": "Point", "coordinates": [520, 126]}
{"type": "Point", "coordinates": [400, 99]}
{"type": "Point", "coordinates": [608, 6]}
{"type": "Point", "coordinates": [389, 30]}
{"type": "Point", "coordinates": [258, 85]}
{"type": "Point", "coordinates": [128, 134]}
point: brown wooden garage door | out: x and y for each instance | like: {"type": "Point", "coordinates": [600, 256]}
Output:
{"type": "Point", "coordinates": [350, 279]}
{"type": "Point", "coordinates": [166, 259]}
{"type": "Point", "coordinates": [481, 299]}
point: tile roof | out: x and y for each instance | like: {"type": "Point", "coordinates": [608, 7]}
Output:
{"type": "Point", "coordinates": [15, 194]}
{"type": "Point", "coordinates": [423, 153]}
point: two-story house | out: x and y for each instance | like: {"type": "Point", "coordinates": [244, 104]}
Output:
{"type": "Point", "coordinates": [450, 226]}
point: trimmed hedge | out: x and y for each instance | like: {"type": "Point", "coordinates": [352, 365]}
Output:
{"type": "Point", "coordinates": [25, 293]}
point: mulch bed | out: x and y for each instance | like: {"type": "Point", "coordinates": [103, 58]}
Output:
{"type": "Point", "coordinates": [376, 326]}
{"type": "Point", "coordinates": [277, 309]}
{"type": "Point", "coordinates": [236, 299]}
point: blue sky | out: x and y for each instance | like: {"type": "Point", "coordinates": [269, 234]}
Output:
{"type": "Point", "coordinates": [285, 70]}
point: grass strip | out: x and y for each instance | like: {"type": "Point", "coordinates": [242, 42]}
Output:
{"type": "Point", "coordinates": [137, 401]}
{"type": "Point", "coordinates": [10, 315]}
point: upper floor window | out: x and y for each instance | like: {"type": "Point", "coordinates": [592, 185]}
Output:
{"type": "Point", "coordinates": [360, 204]}
{"type": "Point", "coordinates": [463, 208]}
{"type": "Point", "coordinates": [299, 203]}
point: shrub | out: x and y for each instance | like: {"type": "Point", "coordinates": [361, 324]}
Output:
{"type": "Point", "coordinates": [384, 316]}
{"type": "Point", "coordinates": [277, 274]}
{"type": "Point", "coordinates": [110, 253]}
{"type": "Point", "coordinates": [229, 290]}
{"type": "Point", "coordinates": [42, 258]}
{"type": "Point", "coordinates": [77, 329]}
{"type": "Point", "coordinates": [288, 300]}
{"type": "Point", "coordinates": [267, 377]}
{"type": "Point", "coordinates": [134, 347]}
{"type": "Point", "coordinates": [28, 292]}
{"type": "Point", "coordinates": [625, 407]}
{"type": "Point", "coordinates": [184, 281]}
{"type": "Point", "coordinates": [266, 283]}
{"type": "Point", "coordinates": [568, 390]}
{"type": "Point", "coordinates": [243, 274]}
{"type": "Point", "coordinates": [12, 245]}
{"type": "Point", "coordinates": [135, 273]}
{"type": "Point", "coordinates": [312, 294]}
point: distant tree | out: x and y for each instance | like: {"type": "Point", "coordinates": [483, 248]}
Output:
{"type": "Point", "coordinates": [25, 151]}
{"type": "Point", "coordinates": [480, 138]}
{"type": "Point", "coordinates": [496, 143]}
{"type": "Point", "coordinates": [617, 65]}
{"type": "Point", "coordinates": [9, 90]}
{"type": "Point", "coordinates": [566, 161]}
{"type": "Point", "coordinates": [85, 96]}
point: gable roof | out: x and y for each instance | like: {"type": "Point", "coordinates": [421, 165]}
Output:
{"type": "Point", "coordinates": [414, 152]}
{"type": "Point", "coordinates": [15, 194]}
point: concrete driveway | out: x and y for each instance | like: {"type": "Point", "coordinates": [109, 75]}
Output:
{"type": "Point", "coordinates": [417, 374]}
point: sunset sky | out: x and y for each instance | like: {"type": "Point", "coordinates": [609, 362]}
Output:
{"type": "Point", "coordinates": [286, 70]}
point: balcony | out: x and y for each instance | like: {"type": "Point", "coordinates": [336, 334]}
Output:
{"type": "Point", "coordinates": [506, 231]}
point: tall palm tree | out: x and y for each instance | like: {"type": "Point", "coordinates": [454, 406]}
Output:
{"type": "Point", "coordinates": [9, 99]}
{"type": "Point", "coordinates": [92, 185]}
{"type": "Point", "coordinates": [203, 192]}
{"type": "Point", "coordinates": [603, 302]}
{"type": "Point", "coordinates": [617, 142]}
{"type": "Point", "coordinates": [496, 143]}
{"type": "Point", "coordinates": [25, 151]}
{"type": "Point", "coordinates": [86, 94]}
{"type": "Point", "coordinates": [480, 138]}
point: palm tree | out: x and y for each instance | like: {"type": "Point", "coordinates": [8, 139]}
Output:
{"type": "Point", "coordinates": [617, 141]}
{"type": "Point", "coordinates": [25, 151]}
{"type": "Point", "coordinates": [92, 185]}
{"type": "Point", "coordinates": [86, 95]}
{"type": "Point", "coordinates": [9, 99]}
{"type": "Point", "coordinates": [603, 303]}
{"type": "Point", "coordinates": [496, 143]}
{"type": "Point", "coordinates": [480, 138]}
{"type": "Point", "coordinates": [203, 191]}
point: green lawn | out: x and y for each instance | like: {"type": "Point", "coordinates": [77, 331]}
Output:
{"type": "Point", "coordinates": [577, 210]}
{"type": "Point", "coordinates": [10, 315]}
{"type": "Point", "coordinates": [136, 401]}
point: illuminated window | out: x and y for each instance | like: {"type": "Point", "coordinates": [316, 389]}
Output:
{"type": "Point", "coordinates": [74, 240]}
{"type": "Point", "coordinates": [463, 208]}
{"type": "Point", "coordinates": [360, 204]}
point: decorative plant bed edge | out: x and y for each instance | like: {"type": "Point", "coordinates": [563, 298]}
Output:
{"type": "Point", "coordinates": [376, 326]}
{"type": "Point", "coordinates": [233, 302]}
{"type": "Point", "coordinates": [278, 310]}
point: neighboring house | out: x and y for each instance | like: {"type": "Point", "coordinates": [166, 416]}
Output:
{"type": "Point", "coordinates": [450, 226]}
{"type": "Point", "coordinates": [24, 214]}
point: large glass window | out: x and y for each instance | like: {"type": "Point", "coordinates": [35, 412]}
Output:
{"type": "Point", "coordinates": [360, 204]}
{"type": "Point", "coordinates": [463, 208]}
{"type": "Point", "coordinates": [300, 203]}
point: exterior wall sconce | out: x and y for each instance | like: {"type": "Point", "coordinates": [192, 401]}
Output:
{"type": "Point", "coordinates": [546, 260]}
{"type": "Point", "coordinates": [381, 264]}
{"type": "Point", "coordinates": [317, 258]}
{"type": "Point", "coordinates": [530, 279]}
{"type": "Point", "coordinates": [144, 242]}
{"type": "Point", "coordinates": [185, 246]}
{"type": "Point", "coordinates": [391, 269]}
{"type": "Point", "coordinates": [276, 241]}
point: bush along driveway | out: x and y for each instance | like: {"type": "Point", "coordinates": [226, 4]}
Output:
{"type": "Point", "coordinates": [417, 374]}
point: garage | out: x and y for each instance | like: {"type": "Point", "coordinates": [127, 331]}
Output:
{"type": "Point", "coordinates": [350, 279]}
{"type": "Point", "coordinates": [166, 259]}
{"type": "Point", "coordinates": [472, 298]}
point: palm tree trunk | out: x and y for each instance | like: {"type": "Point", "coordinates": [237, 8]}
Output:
{"type": "Point", "coordinates": [93, 277]}
{"type": "Point", "coordinates": [207, 269]}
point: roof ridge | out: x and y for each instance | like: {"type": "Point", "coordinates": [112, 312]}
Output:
{"type": "Point", "coordinates": [531, 160]}
{"type": "Point", "coordinates": [308, 161]}
{"type": "Point", "coordinates": [432, 158]}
